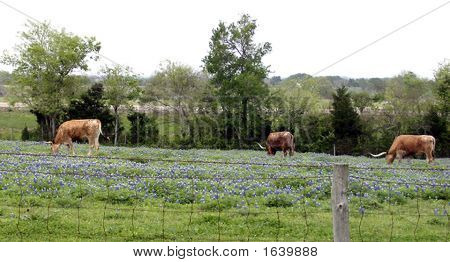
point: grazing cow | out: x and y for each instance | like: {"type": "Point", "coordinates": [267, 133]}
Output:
{"type": "Point", "coordinates": [279, 141]}
{"type": "Point", "coordinates": [77, 129]}
{"type": "Point", "coordinates": [409, 145]}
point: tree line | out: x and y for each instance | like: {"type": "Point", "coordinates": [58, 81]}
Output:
{"type": "Point", "coordinates": [229, 103]}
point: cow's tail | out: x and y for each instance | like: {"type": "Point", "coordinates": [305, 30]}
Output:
{"type": "Point", "coordinates": [433, 146]}
{"type": "Point", "coordinates": [100, 128]}
{"type": "Point", "coordinates": [260, 145]}
{"type": "Point", "coordinates": [292, 142]}
{"type": "Point", "coordinates": [378, 155]}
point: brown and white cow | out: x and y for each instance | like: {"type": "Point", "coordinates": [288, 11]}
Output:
{"type": "Point", "coordinates": [77, 129]}
{"type": "Point", "coordinates": [409, 145]}
{"type": "Point", "coordinates": [283, 141]}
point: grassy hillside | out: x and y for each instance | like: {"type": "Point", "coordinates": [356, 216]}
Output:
{"type": "Point", "coordinates": [13, 122]}
{"type": "Point", "coordinates": [150, 194]}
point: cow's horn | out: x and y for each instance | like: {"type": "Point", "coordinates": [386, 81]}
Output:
{"type": "Point", "coordinates": [48, 142]}
{"type": "Point", "coordinates": [260, 145]}
{"type": "Point", "coordinates": [380, 154]}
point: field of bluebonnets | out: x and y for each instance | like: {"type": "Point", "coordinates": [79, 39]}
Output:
{"type": "Point", "coordinates": [150, 194]}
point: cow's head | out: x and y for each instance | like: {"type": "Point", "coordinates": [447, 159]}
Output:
{"type": "Point", "coordinates": [390, 158]}
{"type": "Point", "coordinates": [54, 147]}
{"type": "Point", "coordinates": [271, 151]}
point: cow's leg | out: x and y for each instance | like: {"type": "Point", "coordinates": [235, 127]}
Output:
{"type": "Point", "coordinates": [431, 152]}
{"type": "Point", "coordinates": [96, 143]}
{"type": "Point", "coordinates": [284, 151]}
{"type": "Point", "coordinates": [91, 146]}
{"type": "Point", "coordinates": [400, 154]}
{"type": "Point", "coordinates": [291, 151]}
{"type": "Point", "coordinates": [429, 157]}
{"type": "Point", "coordinates": [70, 145]}
{"type": "Point", "coordinates": [273, 151]}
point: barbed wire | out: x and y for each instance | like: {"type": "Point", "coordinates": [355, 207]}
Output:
{"type": "Point", "coordinates": [220, 210]}
{"type": "Point", "coordinates": [216, 178]}
{"type": "Point", "coordinates": [400, 168]}
{"type": "Point", "coordinates": [193, 161]}
{"type": "Point", "coordinates": [400, 182]}
{"type": "Point", "coordinates": [224, 211]}
{"type": "Point", "coordinates": [198, 161]}
{"type": "Point", "coordinates": [161, 208]}
{"type": "Point", "coordinates": [160, 177]}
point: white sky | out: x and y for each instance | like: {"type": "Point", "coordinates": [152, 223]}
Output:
{"type": "Point", "coordinates": [306, 36]}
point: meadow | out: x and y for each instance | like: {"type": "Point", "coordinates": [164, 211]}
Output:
{"type": "Point", "coordinates": [152, 194]}
{"type": "Point", "coordinates": [13, 122]}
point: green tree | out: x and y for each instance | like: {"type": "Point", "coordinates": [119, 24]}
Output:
{"type": "Point", "coordinates": [299, 97]}
{"type": "Point", "coordinates": [408, 97]}
{"type": "Point", "coordinates": [409, 93]}
{"type": "Point", "coordinates": [144, 129]}
{"type": "Point", "coordinates": [346, 121]}
{"type": "Point", "coordinates": [436, 119]}
{"type": "Point", "coordinates": [174, 85]}
{"type": "Point", "coordinates": [436, 125]}
{"type": "Point", "coordinates": [43, 64]}
{"type": "Point", "coordinates": [25, 134]}
{"type": "Point", "coordinates": [316, 133]}
{"type": "Point", "coordinates": [121, 88]}
{"type": "Point", "coordinates": [5, 78]}
{"type": "Point", "coordinates": [179, 88]}
{"type": "Point", "coordinates": [234, 62]}
{"type": "Point", "coordinates": [90, 105]}
{"type": "Point", "coordinates": [442, 87]}
{"type": "Point", "coordinates": [361, 100]}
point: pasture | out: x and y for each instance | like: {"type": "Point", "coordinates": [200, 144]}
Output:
{"type": "Point", "coordinates": [151, 194]}
{"type": "Point", "coordinates": [13, 122]}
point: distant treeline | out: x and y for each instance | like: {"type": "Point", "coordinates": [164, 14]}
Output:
{"type": "Point", "coordinates": [203, 125]}
{"type": "Point", "coordinates": [327, 88]}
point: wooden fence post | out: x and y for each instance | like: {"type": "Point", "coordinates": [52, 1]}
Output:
{"type": "Point", "coordinates": [339, 203]}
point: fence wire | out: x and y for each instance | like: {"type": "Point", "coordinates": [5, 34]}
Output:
{"type": "Point", "coordinates": [165, 208]}
{"type": "Point", "coordinates": [199, 161]}
{"type": "Point", "coordinates": [418, 214]}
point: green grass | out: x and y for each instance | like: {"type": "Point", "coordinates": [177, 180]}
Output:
{"type": "Point", "coordinates": [84, 210]}
{"type": "Point", "coordinates": [17, 119]}
{"type": "Point", "coordinates": [13, 122]}
{"type": "Point", "coordinates": [56, 220]}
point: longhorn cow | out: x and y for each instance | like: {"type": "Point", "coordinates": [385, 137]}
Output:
{"type": "Point", "coordinates": [77, 129]}
{"type": "Point", "coordinates": [283, 141]}
{"type": "Point", "coordinates": [409, 145]}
